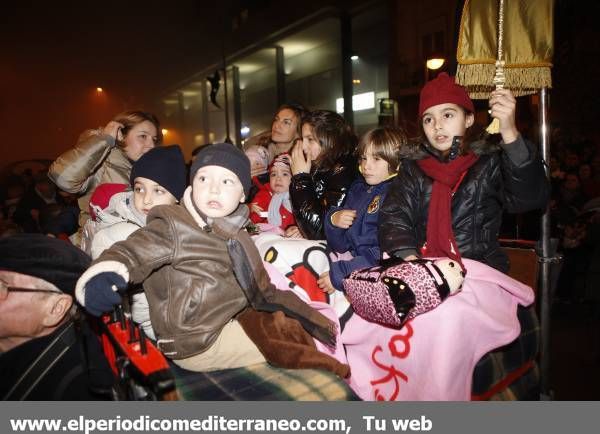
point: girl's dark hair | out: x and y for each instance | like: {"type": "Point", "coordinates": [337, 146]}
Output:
{"type": "Point", "coordinates": [130, 119]}
{"type": "Point", "coordinates": [387, 143]}
{"type": "Point", "coordinates": [333, 133]}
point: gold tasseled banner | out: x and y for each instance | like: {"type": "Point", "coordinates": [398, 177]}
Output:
{"type": "Point", "coordinates": [528, 46]}
{"type": "Point", "coordinates": [522, 81]}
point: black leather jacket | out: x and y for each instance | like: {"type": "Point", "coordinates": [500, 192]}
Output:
{"type": "Point", "coordinates": [492, 184]}
{"type": "Point", "coordinates": [313, 194]}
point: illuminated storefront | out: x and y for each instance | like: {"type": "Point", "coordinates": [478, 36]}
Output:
{"type": "Point", "coordinates": [315, 62]}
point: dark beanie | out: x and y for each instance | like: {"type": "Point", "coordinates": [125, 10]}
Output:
{"type": "Point", "coordinates": [51, 259]}
{"type": "Point", "coordinates": [165, 166]}
{"type": "Point", "coordinates": [224, 155]}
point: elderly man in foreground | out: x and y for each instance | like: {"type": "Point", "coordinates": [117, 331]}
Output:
{"type": "Point", "coordinates": [46, 352]}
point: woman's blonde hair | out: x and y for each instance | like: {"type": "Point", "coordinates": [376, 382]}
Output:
{"type": "Point", "coordinates": [131, 118]}
{"type": "Point", "coordinates": [387, 143]}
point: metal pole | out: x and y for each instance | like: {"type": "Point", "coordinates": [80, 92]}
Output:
{"type": "Point", "coordinates": [280, 74]}
{"type": "Point", "coordinates": [182, 115]}
{"type": "Point", "coordinates": [347, 91]}
{"type": "Point", "coordinates": [223, 55]}
{"type": "Point", "coordinates": [237, 105]}
{"type": "Point", "coordinates": [546, 256]}
{"type": "Point", "coordinates": [227, 136]}
{"type": "Point", "coordinates": [205, 116]}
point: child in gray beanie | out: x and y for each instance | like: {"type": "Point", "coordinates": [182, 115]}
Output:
{"type": "Point", "coordinates": [198, 270]}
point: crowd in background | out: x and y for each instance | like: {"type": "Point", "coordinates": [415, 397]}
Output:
{"type": "Point", "coordinates": [575, 214]}
{"type": "Point", "coordinates": [31, 203]}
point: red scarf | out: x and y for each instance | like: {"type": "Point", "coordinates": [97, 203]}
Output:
{"type": "Point", "coordinates": [446, 179]}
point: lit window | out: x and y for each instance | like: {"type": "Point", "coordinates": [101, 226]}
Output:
{"type": "Point", "coordinates": [361, 101]}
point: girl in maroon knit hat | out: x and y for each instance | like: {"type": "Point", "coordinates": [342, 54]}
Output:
{"type": "Point", "coordinates": [451, 191]}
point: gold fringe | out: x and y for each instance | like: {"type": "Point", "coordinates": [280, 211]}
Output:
{"type": "Point", "coordinates": [521, 81]}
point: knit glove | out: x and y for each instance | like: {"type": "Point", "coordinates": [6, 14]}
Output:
{"type": "Point", "coordinates": [101, 292]}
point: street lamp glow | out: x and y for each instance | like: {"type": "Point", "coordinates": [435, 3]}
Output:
{"type": "Point", "coordinates": [99, 90]}
{"type": "Point", "coordinates": [435, 63]}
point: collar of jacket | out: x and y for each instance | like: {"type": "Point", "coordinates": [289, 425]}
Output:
{"type": "Point", "coordinates": [120, 209]}
{"type": "Point", "coordinates": [189, 206]}
{"type": "Point", "coordinates": [418, 151]}
{"type": "Point", "coordinates": [226, 227]}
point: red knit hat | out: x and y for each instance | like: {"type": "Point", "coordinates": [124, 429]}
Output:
{"type": "Point", "coordinates": [443, 90]}
{"type": "Point", "coordinates": [102, 194]}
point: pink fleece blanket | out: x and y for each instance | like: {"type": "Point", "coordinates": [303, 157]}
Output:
{"type": "Point", "coordinates": [433, 356]}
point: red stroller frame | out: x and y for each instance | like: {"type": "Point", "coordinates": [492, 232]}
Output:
{"type": "Point", "coordinates": [142, 371]}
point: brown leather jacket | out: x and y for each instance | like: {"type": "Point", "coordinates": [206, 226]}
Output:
{"type": "Point", "coordinates": [94, 160]}
{"type": "Point", "coordinates": [187, 276]}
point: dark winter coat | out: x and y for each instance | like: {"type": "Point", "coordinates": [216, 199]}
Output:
{"type": "Point", "coordinates": [494, 183]}
{"type": "Point", "coordinates": [65, 365]}
{"type": "Point", "coordinates": [360, 239]}
{"type": "Point", "coordinates": [314, 194]}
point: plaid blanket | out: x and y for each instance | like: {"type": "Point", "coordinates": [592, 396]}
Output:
{"type": "Point", "coordinates": [264, 382]}
{"type": "Point", "coordinates": [261, 382]}
{"type": "Point", "coordinates": [500, 363]}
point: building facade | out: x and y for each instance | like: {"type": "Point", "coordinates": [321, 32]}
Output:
{"type": "Point", "coordinates": [364, 60]}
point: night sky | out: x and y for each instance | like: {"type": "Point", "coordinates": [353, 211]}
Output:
{"type": "Point", "coordinates": [55, 54]}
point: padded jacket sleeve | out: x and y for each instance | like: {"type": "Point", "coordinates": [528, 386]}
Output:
{"type": "Point", "coordinates": [399, 213]}
{"type": "Point", "coordinates": [262, 199]}
{"type": "Point", "coordinates": [134, 252]}
{"type": "Point", "coordinates": [526, 186]}
{"type": "Point", "coordinates": [73, 170]}
{"type": "Point", "coordinates": [336, 237]}
{"type": "Point", "coordinates": [309, 207]}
